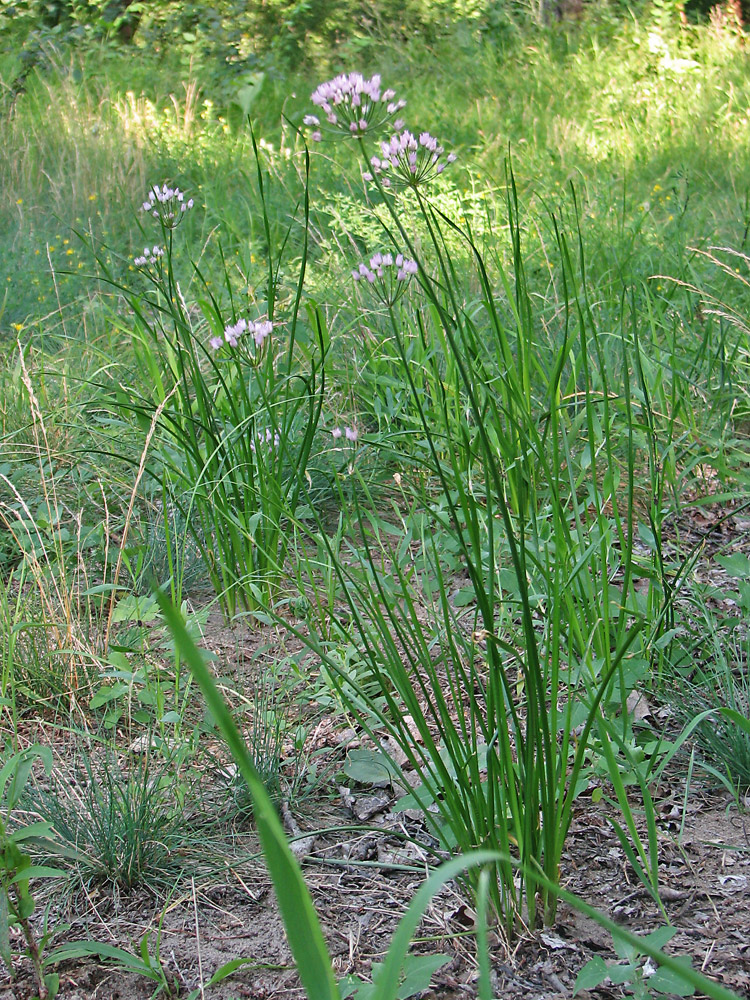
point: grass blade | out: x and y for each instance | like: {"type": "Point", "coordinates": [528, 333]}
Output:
{"type": "Point", "coordinates": [300, 920]}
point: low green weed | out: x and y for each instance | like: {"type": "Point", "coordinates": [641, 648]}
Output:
{"type": "Point", "coordinates": [17, 903]}
{"type": "Point", "coordinates": [639, 975]}
{"type": "Point", "coordinates": [147, 962]}
{"type": "Point", "coordinates": [132, 684]}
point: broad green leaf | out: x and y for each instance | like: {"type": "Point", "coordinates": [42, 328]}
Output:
{"type": "Point", "coordinates": [52, 982]}
{"type": "Point", "coordinates": [368, 767]}
{"type": "Point", "coordinates": [670, 981]}
{"type": "Point", "coordinates": [107, 694]}
{"type": "Point", "coordinates": [90, 949]}
{"type": "Point", "coordinates": [593, 974]}
{"type": "Point", "coordinates": [619, 974]}
{"type": "Point", "coordinates": [737, 565]}
{"type": "Point", "coordinates": [419, 970]}
{"type": "Point", "coordinates": [352, 986]}
{"type": "Point", "coordinates": [42, 828]}
{"type": "Point", "coordinates": [661, 936]}
{"type": "Point", "coordinates": [228, 968]}
{"type": "Point", "coordinates": [40, 871]}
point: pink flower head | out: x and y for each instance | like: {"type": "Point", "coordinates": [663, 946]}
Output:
{"type": "Point", "coordinates": [386, 275]}
{"type": "Point", "coordinates": [167, 204]}
{"type": "Point", "coordinates": [267, 440]}
{"type": "Point", "coordinates": [352, 105]}
{"type": "Point", "coordinates": [259, 330]}
{"type": "Point", "coordinates": [150, 256]}
{"type": "Point", "coordinates": [409, 160]}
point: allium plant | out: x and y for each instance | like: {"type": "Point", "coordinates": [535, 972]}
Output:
{"type": "Point", "coordinates": [409, 161]}
{"type": "Point", "coordinates": [387, 275]}
{"type": "Point", "coordinates": [350, 105]}
{"type": "Point", "coordinates": [167, 204]}
{"type": "Point", "coordinates": [494, 706]}
{"type": "Point", "coordinates": [234, 412]}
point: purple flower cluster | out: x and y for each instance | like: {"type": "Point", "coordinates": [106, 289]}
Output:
{"type": "Point", "coordinates": [387, 275]}
{"type": "Point", "coordinates": [350, 433]}
{"type": "Point", "coordinates": [352, 105]}
{"type": "Point", "coordinates": [258, 330]}
{"type": "Point", "coordinates": [167, 204]}
{"type": "Point", "coordinates": [380, 263]}
{"type": "Point", "coordinates": [150, 256]}
{"type": "Point", "coordinates": [409, 160]}
{"type": "Point", "coordinates": [267, 439]}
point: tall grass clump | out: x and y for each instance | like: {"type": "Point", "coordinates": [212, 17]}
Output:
{"type": "Point", "coordinates": [235, 390]}
{"type": "Point", "coordinates": [56, 556]}
{"type": "Point", "coordinates": [303, 929]}
{"type": "Point", "coordinates": [534, 457]}
{"type": "Point", "coordinates": [118, 822]}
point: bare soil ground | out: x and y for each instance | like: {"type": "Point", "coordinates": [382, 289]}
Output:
{"type": "Point", "coordinates": [360, 893]}
{"type": "Point", "coordinates": [362, 873]}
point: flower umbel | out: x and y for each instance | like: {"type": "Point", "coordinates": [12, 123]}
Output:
{"type": "Point", "coordinates": [350, 433]}
{"type": "Point", "coordinates": [351, 105]}
{"type": "Point", "coordinates": [267, 440]}
{"type": "Point", "coordinates": [387, 275]}
{"type": "Point", "coordinates": [409, 160]}
{"type": "Point", "coordinates": [167, 204]}
{"type": "Point", "coordinates": [150, 256]}
{"type": "Point", "coordinates": [258, 330]}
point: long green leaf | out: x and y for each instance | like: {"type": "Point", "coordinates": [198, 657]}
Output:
{"type": "Point", "coordinates": [388, 981]}
{"type": "Point", "coordinates": [300, 919]}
